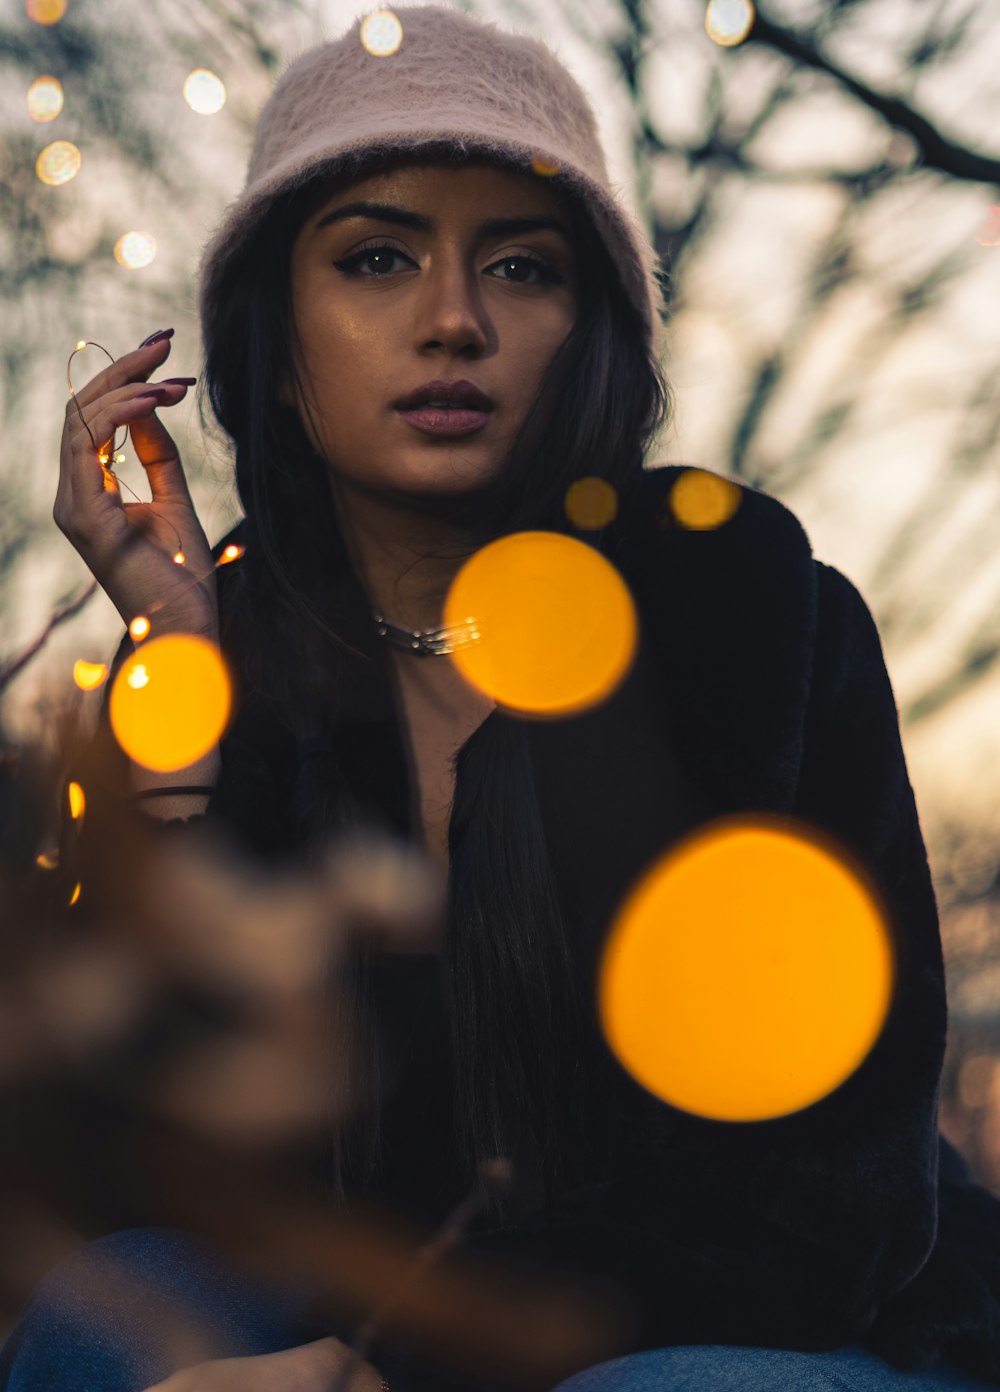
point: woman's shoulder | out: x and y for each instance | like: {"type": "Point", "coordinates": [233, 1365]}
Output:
{"type": "Point", "coordinates": [694, 499]}
{"type": "Point", "coordinates": [718, 540]}
{"type": "Point", "coordinates": [732, 522]}
{"type": "Point", "coordinates": [743, 562]}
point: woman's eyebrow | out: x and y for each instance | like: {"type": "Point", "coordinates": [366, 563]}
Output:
{"type": "Point", "coordinates": [403, 217]}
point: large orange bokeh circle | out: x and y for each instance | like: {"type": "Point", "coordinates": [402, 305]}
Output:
{"type": "Point", "coordinates": [170, 702]}
{"type": "Point", "coordinates": [749, 973]}
{"type": "Point", "coordinates": [556, 623]}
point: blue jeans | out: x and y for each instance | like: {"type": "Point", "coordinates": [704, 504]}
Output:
{"type": "Point", "coordinates": [126, 1311]}
{"type": "Point", "coordinates": [721, 1368]}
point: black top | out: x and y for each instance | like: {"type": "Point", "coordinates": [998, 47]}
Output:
{"type": "Point", "coordinates": [759, 685]}
{"type": "Point", "coordinates": [420, 1179]}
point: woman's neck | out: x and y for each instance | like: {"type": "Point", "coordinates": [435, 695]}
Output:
{"type": "Point", "coordinates": [388, 545]}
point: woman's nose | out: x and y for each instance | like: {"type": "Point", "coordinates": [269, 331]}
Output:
{"type": "Point", "coordinates": [452, 304]}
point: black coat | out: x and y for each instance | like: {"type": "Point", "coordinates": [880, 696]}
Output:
{"type": "Point", "coordinates": [759, 685]}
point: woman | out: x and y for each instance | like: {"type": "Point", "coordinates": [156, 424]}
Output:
{"type": "Point", "coordinates": [837, 1247]}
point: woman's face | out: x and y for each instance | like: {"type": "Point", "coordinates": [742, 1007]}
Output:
{"type": "Point", "coordinates": [383, 304]}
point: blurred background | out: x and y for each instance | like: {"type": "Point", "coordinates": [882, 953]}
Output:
{"type": "Point", "coordinates": [821, 179]}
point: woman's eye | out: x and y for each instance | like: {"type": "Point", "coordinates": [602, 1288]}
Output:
{"type": "Point", "coordinates": [352, 265]}
{"type": "Point", "coordinates": [546, 273]}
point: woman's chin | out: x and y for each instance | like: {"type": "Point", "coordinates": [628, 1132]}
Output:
{"type": "Point", "coordinates": [437, 487]}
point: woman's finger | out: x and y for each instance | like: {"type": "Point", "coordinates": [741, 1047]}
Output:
{"type": "Point", "coordinates": [307, 1368]}
{"type": "Point", "coordinates": [156, 450]}
{"type": "Point", "coordinates": [153, 444]}
{"type": "Point", "coordinates": [90, 433]}
{"type": "Point", "coordinates": [135, 366]}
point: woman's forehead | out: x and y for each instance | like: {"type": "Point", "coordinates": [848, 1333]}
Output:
{"type": "Point", "coordinates": [414, 178]}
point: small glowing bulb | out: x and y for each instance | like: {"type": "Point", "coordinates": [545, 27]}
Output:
{"type": "Point", "coordinates": [119, 459]}
{"type": "Point", "coordinates": [89, 675]}
{"type": "Point", "coordinates": [713, 997]}
{"type": "Point", "coordinates": [702, 501]}
{"type": "Point", "coordinates": [77, 801]}
{"type": "Point", "coordinates": [204, 92]}
{"type": "Point", "coordinates": [381, 33]}
{"type": "Point", "coordinates": [180, 558]}
{"type": "Point", "coordinates": [231, 553]}
{"type": "Point", "coordinates": [134, 250]}
{"type": "Point", "coordinates": [103, 457]}
{"type": "Point", "coordinates": [591, 503]}
{"type": "Point", "coordinates": [81, 344]}
{"type": "Point", "coordinates": [45, 11]}
{"type": "Point", "coordinates": [76, 894]}
{"type": "Point", "coordinates": [557, 623]}
{"type": "Point", "coordinates": [58, 163]}
{"type": "Point", "coordinates": [45, 99]}
{"type": "Point", "coordinates": [728, 22]}
{"type": "Point", "coordinates": [48, 860]}
{"type": "Point", "coordinates": [178, 709]}
{"type": "Point", "coordinates": [139, 627]}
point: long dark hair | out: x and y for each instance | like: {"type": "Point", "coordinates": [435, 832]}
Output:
{"type": "Point", "coordinates": [601, 401]}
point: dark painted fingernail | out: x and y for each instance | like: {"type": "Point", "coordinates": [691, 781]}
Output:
{"type": "Point", "coordinates": [158, 392]}
{"type": "Point", "coordinates": [181, 381]}
{"type": "Point", "coordinates": [156, 337]}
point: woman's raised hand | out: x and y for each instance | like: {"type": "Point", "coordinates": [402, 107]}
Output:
{"type": "Point", "coordinates": [130, 547]}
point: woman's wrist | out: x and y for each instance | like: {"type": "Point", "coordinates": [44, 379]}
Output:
{"type": "Point", "coordinates": [154, 793]}
{"type": "Point", "coordinates": [162, 621]}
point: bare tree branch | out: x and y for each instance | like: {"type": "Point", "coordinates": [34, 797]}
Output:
{"type": "Point", "coordinates": [977, 663]}
{"type": "Point", "coordinates": [936, 152]}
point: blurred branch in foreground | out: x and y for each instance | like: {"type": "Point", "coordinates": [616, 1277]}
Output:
{"type": "Point", "coordinates": [175, 1044]}
{"type": "Point", "coordinates": [68, 611]}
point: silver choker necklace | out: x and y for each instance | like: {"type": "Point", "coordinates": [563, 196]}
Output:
{"type": "Point", "coordinates": [427, 642]}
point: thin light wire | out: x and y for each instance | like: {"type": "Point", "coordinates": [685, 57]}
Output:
{"type": "Point", "coordinates": [115, 448]}
{"type": "Point", "coordinates": [106, 461]}
{"type": "Point", "coordinates": [495, 1175]}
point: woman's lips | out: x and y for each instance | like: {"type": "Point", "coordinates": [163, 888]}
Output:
{"type": "Point", "coordinates": [437, 420]}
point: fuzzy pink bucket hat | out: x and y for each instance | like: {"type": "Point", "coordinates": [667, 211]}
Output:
{"type": "Point", "coordinates": [452, 81]}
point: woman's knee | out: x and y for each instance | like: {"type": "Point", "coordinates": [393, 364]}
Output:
{"type": "Point", "coordinates": [128, 1308]}
{"type": "Point", "coordinates": [76, 1328]}
{"type": "Point", "coordinates": [724, 1368]}
{"type": "Point", "coordinates": [708, 1368]}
